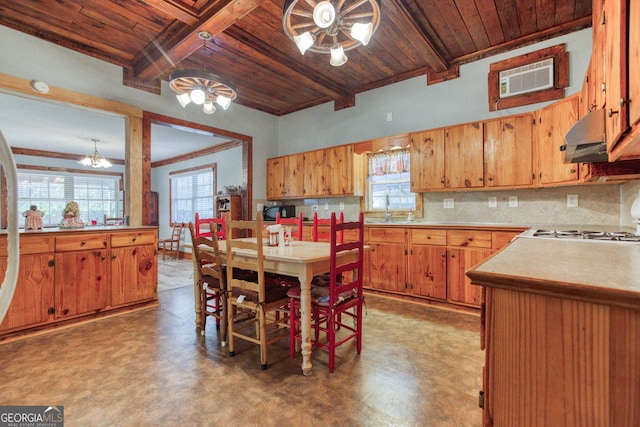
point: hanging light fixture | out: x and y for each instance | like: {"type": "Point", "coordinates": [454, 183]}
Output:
{"type": "Point", "coordinates": [95, 160]}
{"type": "Point", "coordinates": [201, 87]}
{"type": "Point", "coordinates": [327, 28]}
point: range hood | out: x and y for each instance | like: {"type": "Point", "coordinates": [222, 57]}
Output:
{"type": "Point", "coordinates": [585, 141]}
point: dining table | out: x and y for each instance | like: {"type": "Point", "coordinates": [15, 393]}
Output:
{"type": "Point", "coordinates": [300, 259]}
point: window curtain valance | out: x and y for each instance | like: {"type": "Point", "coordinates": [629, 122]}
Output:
{"type": "Point", "coordinates": [389, 162]}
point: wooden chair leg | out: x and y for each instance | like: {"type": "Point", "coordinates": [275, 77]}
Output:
{"type": "Point", "coordinates": [262, 324]}
{"type": "Point", "coordinates": [230, 316]}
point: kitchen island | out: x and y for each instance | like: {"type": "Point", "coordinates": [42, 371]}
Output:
{"type": "Point", "coordinates": [561, 331]}
{"type": "Point", "coordinates": [71, 275]}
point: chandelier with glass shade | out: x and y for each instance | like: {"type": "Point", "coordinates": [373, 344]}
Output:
{"type": "Point", "coordinates": [201, 87]}
{"type": "Point", "coordinates": [330, 27]}
{"type": "Point", "coordinates": [95, 160]}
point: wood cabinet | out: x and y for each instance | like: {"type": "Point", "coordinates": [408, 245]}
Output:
{"type": "Point", "coordinates": [134, 272]}
{"type": "Point", "coordinates": [329, 172]}
{"type": "Point", "coordinates": [72, 274]}
{"type": "Point", "coordinates": [386, 259]}
{"type": "Point", "coordinates": [553, 122]}
{"type": "Point", "coordinates": [508, 151]}
{"type": "Point", "coordinates": [33, 295]}
{"type": "Point", "coordinates": [81, 274]}
{"type": "Point", "coordinates": [431, 264]}
{"type": "Point", "coordinates": [615, 72]}
{"type": "Point", "coordinates": [427, 160]}
{"type": "Point", "coordinates": [285, 178]}
{"type": "Point", "coordinates": [427, 267]}
{"type": "Point", "coordinates": [464, 166]}
{"type": "Point", "coordinates": [634, 63]}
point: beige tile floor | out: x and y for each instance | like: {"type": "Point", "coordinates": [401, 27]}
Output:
{"type": "Point", "coordinates": [420, 366]}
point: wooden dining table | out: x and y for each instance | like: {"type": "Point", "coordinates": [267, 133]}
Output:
{"type": "Point", "coordinates": [300, 259]}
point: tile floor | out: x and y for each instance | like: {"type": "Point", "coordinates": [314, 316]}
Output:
{"type": "Point", "coordinates": [420, 366]}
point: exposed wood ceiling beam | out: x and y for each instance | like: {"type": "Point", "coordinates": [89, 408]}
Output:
{"type": "Point", "coordinates": [184, 41]}
{"type": "Point", "coordinates": [178, 11]}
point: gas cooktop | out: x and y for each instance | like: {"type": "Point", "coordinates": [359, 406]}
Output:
{"type": "Point", "coordinates": [608, 236]}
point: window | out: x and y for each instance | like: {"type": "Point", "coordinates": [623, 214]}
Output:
{"type": "Point", "coordinates": [193, 191]}
{"type": "Point", "coordinates": [388, 182]}
{"type": "Point", "coordinates": [96, 195]}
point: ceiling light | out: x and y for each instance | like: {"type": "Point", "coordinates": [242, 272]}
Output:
{"type": "Point", "coordinates": [95, 160]}
{"type": "Point", "coordinates": [331, 28]}
{"type": "Point", "coordinates": [201, 87]}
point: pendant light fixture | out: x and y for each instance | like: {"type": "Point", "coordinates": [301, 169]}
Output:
{"type": "Point", "coordinates": [95, 160]}
{"type": "Point", "coordinates": [326, 27]}
{"type": "Point", "coordinates": [201, 87]}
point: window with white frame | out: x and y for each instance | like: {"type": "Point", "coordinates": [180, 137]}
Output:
{"type": "Point", "coordinates": [193, 191]}
{"type": "Point", "coordinates": [96, 195]}
{"type": "Point", "coordinates": [389, 182]}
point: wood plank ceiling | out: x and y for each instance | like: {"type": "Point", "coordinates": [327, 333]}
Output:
{"type": "Point", "coordinates": [152, 38]}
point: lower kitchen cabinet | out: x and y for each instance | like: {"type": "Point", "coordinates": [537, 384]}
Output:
{"type": "Point", "coordinates": [386, 260]}
{"type": "Point", "coordinates": [429, 264]}
{"type": "Point", "coordinates": [427, 268]}
{"type": "Point", "coordinates": [81, 282]}
{"type": "Point", "coordinates": [134, 274]}
{"type": "Point", "coordinates": [70, 274]}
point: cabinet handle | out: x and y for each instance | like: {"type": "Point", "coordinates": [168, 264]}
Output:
{"type": "Point", "coordinates": [84, 242]}
{"type": "Point", "coordinates": [470, 239]}
{"type": "Point", "coordinates": [610, 112]}
{"type": "Point", "coordinates": [490, 179]}
{"type": "Point", "coordinates": [453, 255]}
{"type": "Point", "coordinates": [572, 170]}
{"type": "Point", "coordinates": [134, 239]}
{"type": "Point", "coordinates": [428, 237]}
{"type": "Point", "coordinates": [113, 256]}
{"type": "Point", "coordinates": [443, 255]}
{"type": "Point", "coordinates": [480, 179]}
{"type": "Point", "coordinates": [103, 257]}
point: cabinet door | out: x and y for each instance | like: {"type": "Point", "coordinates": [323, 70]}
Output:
{"type": "Point", "coordinates": [427, 269]}
{"type": "Point", "coordinates": [553, 123]}
{"type": "Point", "coordinates": [615, 21]}
{"type": "Point", "coordinates": [293, 177]}
{"type": "Point", "coordinates": [81, 282]}
{"type": "Point", "coordinates": [464, 159]}
{"type": "Point", "coordinates": [427, 160]}
{"type": "Point", "coordinates": [33, 295]}
{"type": "Point", "coordinates": [460, 288]}
{"type": "Point", "coordinates": [314, 179]}
{"type": "Point", "coordinates": [134, 274]}
{"type": "Point", "coordinates": [598, 56]}
{"type": "Point", "coordinates": [386, 267]}
{"type": "Point", "coordinates": [508, 151]}
{"type": "Point", "coordinates": [634, 62]}
{"type": "Point", "coordinates": [275, 178]}
{"type": "Point", "coordinates": [338, 170]}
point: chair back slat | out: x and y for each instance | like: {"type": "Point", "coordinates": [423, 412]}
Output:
{"type": "Point", "coordinates": [207, 256]}
{"type": "Point", "coordinates": [219, 228]}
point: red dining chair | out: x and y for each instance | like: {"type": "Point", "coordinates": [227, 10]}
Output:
{"type": "Point", "coordinates": [336, 309]}
{"type": "Point", "coordinates": [297, 222]}
{"type": "Point", "coordinates": [321, 232]}
{"type": "Point", "coordinates": [212, 281]}
{"type": "Point", "coordinates": [220, 226]}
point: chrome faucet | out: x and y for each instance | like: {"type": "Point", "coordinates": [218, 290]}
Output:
{"type": "Point", "coordinates": [387, 214]}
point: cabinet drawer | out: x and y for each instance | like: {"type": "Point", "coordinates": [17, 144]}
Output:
{"type": "Point", "coordinates": [386, 235]}
{"type": "Point", "coordinates": [36, 244]}
{"type": "Point", "coordinates": [131, 239]}
{"type": "Point", "coordinates": [429, 237]}
{"type": "Point", "coordinates": [81, 242]}
{"type": "Point", "coordinates": [470, 238]}
{"type": "Point", "coordinates": [502, 238]}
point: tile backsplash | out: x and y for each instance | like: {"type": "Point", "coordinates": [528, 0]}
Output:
{"type": "Point", "coordinates": [607, 204]}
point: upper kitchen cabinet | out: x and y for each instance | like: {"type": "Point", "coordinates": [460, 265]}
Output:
{"type": "Point", "coordinates": [464, 166]}
{"type": "Point", "coordinates": [448, 158]}
{"type": "Point", "coordinates": [614, 21]}
{"type": "Point", "coordinates": [508, 151]}
{"type": "Point", "coordinates": [285, 178]}
{"type": "Point", "coordinates": [553, 122]}
{"type": "Point", "coordinates": [331, 172]}
{"type": "Point", "coordinates": [427, 160]}
{"type": "Point", "coordinates": [634, 62]}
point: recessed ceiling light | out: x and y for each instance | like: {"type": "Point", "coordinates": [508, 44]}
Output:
{"type": "Point", "coordinates": [39, 86]}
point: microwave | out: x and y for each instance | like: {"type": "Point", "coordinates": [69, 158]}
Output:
{"type": "Point", "coordinates": [269, 212]}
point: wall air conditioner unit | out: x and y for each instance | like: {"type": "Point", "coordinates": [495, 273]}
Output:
{"type": "Point", "coordinates": [528, 78]}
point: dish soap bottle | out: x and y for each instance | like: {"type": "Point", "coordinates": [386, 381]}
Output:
{"type": "Point", "coordinates": [410, 216]}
